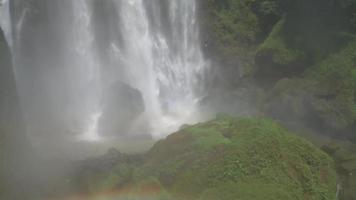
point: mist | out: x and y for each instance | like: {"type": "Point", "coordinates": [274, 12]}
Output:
{"type": "Point", "coordinates": [177, 99]}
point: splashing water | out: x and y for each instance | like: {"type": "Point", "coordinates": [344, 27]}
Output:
{"type": "Point", "coordinates": [91, 134]}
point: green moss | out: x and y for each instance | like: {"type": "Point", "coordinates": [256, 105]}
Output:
{"type": "Point", "coordinates": [337, 66]}
{"type": "Point", "coordinates": [344, 154]}
{"type": "Point", "coordinates": [234, 21]}
{"type": "Point", "coordinates": [231, 31]}
{"type": "Point", "coordinates": [276, 47]}
{"type": "Point", "coordinates": [337, 76]}
{"type": "Point", "coordinates": [256, 153]}
{"type": "Point", "coordinates": [227, 158]}
{"type": "Point", "coordinates": [326, 92]}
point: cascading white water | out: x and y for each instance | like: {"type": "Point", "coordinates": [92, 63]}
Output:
{"type": "Point", "coordinates": [88, 68]}
{"type": "Point", "coordinates": [80, 48]}
{"type": "Point", "coordinates": [164, 67]}
{"type": "Point", "coordinates": [5, 20]}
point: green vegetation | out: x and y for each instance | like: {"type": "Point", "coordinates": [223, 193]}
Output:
{"type": "Point", "coordinates": [345, 159]}
{"type": "Point", "coordinates": [336, 74]}
{"type": "Point", "coordinates": [232, 31]}
{"type": "Point", "coordinates": [303, 55]}
{"type": "Point", "coordinates": [309, 43]}
{"type": "Point", "coordinates": [229, 158]}
{"type": "Point", "coordinates": [323, 95]}
{"type": "Point", "coordinates": [276, 47]}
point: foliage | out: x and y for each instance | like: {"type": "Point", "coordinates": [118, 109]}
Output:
{"type": "Point", "coordinates": [318, 35]}
{"type": "Point", "coordinates": [344, 155]}
{"type": "Point", "coordinates": [337, 76]}
{"type": "Point", "coordinates": [232, 31]}
{"type": "Point", "coordinates": [238, 28]}
{"type": "Point", "coordinates": [275, 46]}
{"type": "Point", "coordinates": [271, 40]}
{"type": "Point", "coordinates": [250, 153]}
{"type": "Point", "coordinates": [226, 158]}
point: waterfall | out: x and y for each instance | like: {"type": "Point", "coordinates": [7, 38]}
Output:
{"type": "Point", "coordinates": [162, 58]}
{"type": "Point", "coordinates": [69, 53]}
{"type": "Point", "coordinates": [5, 20]}
{"type": "Point", "coordinates": [89, 68]}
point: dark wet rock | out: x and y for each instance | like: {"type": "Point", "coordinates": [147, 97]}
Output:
{"type": "Point", "coordinates": [122, 105]}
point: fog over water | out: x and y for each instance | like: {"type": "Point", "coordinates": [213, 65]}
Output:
{"type": "Point", "coordinates": [91, 70]}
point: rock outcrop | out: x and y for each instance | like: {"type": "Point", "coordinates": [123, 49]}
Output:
{"type": "Point", "coordinates": [122, 105]}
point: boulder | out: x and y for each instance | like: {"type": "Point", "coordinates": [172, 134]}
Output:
{"type": "Point", "coordinates": [276, 59]}
{"type": "Point", "coordinates": [122, 105]}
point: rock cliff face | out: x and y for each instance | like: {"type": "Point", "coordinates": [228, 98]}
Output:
{"type": "Point", "coordinates": [12, 138]}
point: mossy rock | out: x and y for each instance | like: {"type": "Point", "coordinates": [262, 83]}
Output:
{"type": "Point", "coordinates": [276, 58]}
{"type": "Point", "coordinates": [229, 31]}
{"type": "Point", "coordinates": [217, 159]}
{"type": "Point", "coordinates": [275, 46]}
{"type": "Point", "coordinates": [291, 100]}
{"type": "Point", "coordinates": [309, 102]}
{"type": "Point", "coordinates": [337, 75]}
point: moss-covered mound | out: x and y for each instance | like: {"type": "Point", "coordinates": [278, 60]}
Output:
{"type": "Point", "coordinates": [240, 158]}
